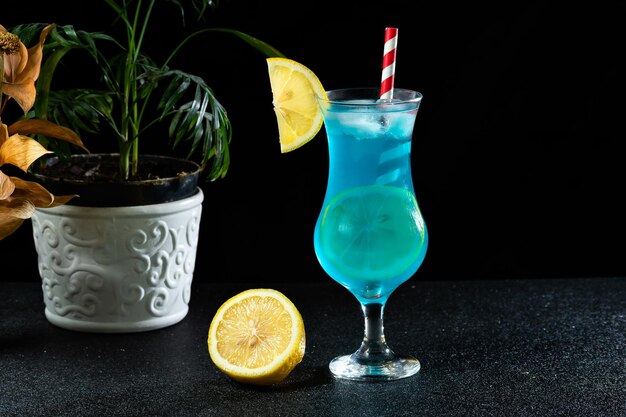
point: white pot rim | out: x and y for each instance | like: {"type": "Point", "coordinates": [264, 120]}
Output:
{"type": "Point", "coordinates": [130, 211]}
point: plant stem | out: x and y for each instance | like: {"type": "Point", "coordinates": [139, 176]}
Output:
{"type": "Point", "coordinates": [128, 163]}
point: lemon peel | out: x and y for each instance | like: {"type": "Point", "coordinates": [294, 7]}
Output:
{"type": "Point", "coordinates": [257, 337]}
{"type": "Point", "coordinates": [295, 89]}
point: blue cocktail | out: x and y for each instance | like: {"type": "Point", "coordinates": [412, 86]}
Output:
{"type": "Point", "coordinates": [370, 235]}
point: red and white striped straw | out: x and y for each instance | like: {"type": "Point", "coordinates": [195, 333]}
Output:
{"type": "Point", "coordinates": [389, 63]}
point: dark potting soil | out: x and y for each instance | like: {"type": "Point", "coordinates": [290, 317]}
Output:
{"type": "Point", "coordinates": [96, 181]}
{"type": "Point", "coordinates": [105, 168]}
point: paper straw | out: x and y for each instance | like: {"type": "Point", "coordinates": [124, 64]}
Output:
{"type": "Point", "coordinates": [389, 63]}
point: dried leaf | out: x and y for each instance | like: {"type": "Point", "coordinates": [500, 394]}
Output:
{"type": "Point", "coordinates": [38, 195]}
{"type": "Point", "coordinates": [47, 128]}
{"type": "Point", "coordinates": [33, 192]}
{"type": "Point", "coordinates": [13, 212]}
{"type": "Point", "coordinates": [59, 200]}
{"type": "Point", "coordinates": [21, 151]}
{"type": "Point", "coordinates": [23, 92]}
{"type": "Point", "coordinates": [20, 208]}
{"type": "Point", "coordinates": [6, 186]}
{"type": "Point", "coordinates": [35, 55]}
{"type": "Point", "coordinates": [8, 224]}
{"type": "Point", "coordinates": [4, 133]}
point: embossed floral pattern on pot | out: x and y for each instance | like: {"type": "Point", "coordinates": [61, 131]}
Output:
{"type": "Point", "coordinates": [117, 269]}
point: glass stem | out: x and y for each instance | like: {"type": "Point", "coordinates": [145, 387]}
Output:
{"type": "Point", "coordinates": [374, 349]}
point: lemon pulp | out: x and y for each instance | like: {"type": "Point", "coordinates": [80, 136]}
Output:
{"type": "Point", "coordinates": [257, 337]}
{"type": "Point", "coordinates": [295, 89]}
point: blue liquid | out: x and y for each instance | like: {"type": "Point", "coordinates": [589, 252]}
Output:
{"type": "Point", "coordinates": [370, 235]}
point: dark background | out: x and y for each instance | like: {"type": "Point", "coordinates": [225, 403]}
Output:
{"type": "Point", "coordinates": [517, 156]}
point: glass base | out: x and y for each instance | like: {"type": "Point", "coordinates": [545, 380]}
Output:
{"type": "Point", "coordinates": [349, 367]}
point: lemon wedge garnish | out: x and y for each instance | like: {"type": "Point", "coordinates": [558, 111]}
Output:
{"type": "Point", "coordinates": [257, 337]}
{"type": "Point", "coordinates": [294, 91]}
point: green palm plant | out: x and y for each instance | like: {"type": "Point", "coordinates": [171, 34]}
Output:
{"type": "Point", "coordinates": [139, 91]}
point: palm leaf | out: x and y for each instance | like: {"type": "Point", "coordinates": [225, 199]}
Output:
{"type": "Point", "coordinates": [257, 44]}
{"type": "Point", "coordinates": [197, 119]}
{"type": "Point", "coordinates": [80, 109]}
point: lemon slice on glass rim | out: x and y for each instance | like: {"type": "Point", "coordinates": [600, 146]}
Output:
{"type": "Point", "coordinates": [294, 91]}
{"type": "Point", "coordinates": [257, 337]}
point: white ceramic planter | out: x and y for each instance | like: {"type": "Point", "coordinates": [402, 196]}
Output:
{"type": "Point", "coordinates": [117, 269]}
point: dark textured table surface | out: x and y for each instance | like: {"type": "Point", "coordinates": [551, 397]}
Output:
{"type": "Point", "coordinates": [488, 348]}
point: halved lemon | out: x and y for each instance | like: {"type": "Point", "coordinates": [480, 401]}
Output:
{"type": "Point", "coordinates": [257, 337]}
{"type": "Point", "coordinates": [294, 91]}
